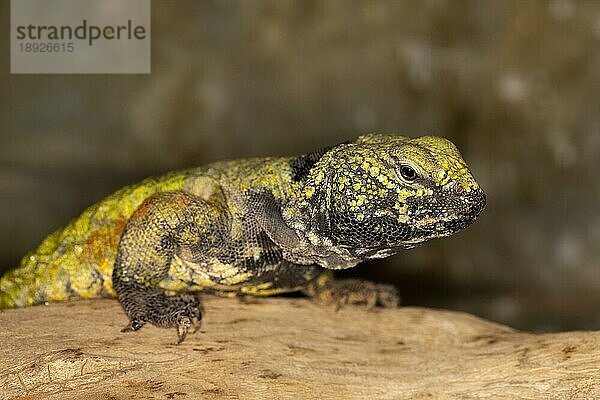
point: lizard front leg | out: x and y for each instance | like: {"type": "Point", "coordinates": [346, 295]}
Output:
{"type": "Point", "coordinates": [339, 292]}
{"type": "Point", "coordinates": [324, 289]}
{"type": "Point", "coordinates": [161, 229]}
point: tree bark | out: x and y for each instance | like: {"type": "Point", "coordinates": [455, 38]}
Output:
{"type": "Point", "coordinates": [281, 348]}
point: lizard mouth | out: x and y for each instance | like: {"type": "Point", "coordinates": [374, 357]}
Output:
{"type": "Point", "coordinates": [475, 201]}
{"type": "Point", "coordinates": [457, 214]}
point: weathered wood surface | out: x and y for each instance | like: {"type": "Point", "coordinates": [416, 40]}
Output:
{"type": "Point", "coordinates": [289, 348]}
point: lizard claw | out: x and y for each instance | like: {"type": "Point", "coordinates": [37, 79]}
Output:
{"type": "Point", "coordinates": [133, 326]}
{"type": "Point", "coordinates": [182, 311]}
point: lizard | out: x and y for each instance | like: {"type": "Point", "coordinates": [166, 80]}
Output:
{"type": "Point", "coordinates": [254, 227]}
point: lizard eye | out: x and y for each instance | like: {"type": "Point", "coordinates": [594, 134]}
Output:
{"type": "Point", "coordinates": [408, 173]}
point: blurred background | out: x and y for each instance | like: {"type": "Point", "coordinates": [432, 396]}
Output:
{"type": "Point", "coordinates": [515, 84]}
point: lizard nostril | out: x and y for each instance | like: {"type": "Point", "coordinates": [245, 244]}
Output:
{"type": "Point", "coordinates": [460, 190]}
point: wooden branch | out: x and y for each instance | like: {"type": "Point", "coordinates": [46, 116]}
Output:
{"type": "Point", "coordinates": [281, 348]}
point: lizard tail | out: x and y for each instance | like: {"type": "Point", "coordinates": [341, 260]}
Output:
{"type": "Point", "coordinates": [20, 286]}
{"type": "Point", "coordinates": [7, 289]}
{"type": "Point", "coordinates": [75, 262]}
{"type": "Point", "coordinates": [70, 264]}
{"type": "Point", "coordinates": [15, 291]}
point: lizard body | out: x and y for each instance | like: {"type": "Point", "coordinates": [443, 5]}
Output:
{"type": "Point", "coordinates": [258, 226]}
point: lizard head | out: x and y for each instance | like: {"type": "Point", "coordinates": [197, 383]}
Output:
{"type": "Point", "coordinates": [382, 193]}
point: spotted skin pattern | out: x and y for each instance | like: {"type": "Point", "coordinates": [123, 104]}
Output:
{"type": "Point", "coordinates": [257, 227]}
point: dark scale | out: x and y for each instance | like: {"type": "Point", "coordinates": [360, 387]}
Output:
{"type": "Point", "coordinates": [302, 165]}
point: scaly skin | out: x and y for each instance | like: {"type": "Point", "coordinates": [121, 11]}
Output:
{"type": "Point", "coordinates": [77, 261]}
{"type": "Point", "coordinates": [254, 227]}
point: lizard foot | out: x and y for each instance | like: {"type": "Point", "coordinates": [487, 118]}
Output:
{"type": "Point", "coordinates": [353, 291]}
{"type": "Point", "coordinates": [183, 311]}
